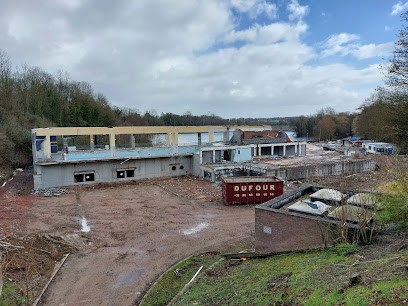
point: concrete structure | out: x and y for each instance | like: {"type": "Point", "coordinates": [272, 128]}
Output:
{"type": "Point", "coordinates": [283, 224]}
{"type": "Point", "coordinates": [269, 143]}
{"type": "Point", "coordinates": [215, 172]}
{"type": "Point", "coordinates": [54, 167]}
{"type": "Point", "coordinates": [56, 163]}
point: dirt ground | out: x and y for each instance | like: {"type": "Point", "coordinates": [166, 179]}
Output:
{"type": "Point", "coordinates": [122, 237]}
{"type": "Point", "coordinates": [137, 231]}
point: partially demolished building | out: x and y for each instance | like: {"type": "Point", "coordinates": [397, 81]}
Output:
{"type": "Point", "coordinates": [102, 157]}
{"type": "Point", "coordinates": [57, 164]}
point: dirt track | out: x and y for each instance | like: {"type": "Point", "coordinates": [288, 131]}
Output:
{"type": "Point", "coordinates": [137, 232]}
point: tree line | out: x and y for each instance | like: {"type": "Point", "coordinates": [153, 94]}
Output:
{"type": "Point", "coordinates": [32, 98]}
{"type": "Point", "coordinates": [326, 124]}
{"type": "Point", "coordinates": [384, 115]}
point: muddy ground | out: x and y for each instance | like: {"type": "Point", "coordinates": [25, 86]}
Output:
{"type": "Point", "coordinates": [136, 231]}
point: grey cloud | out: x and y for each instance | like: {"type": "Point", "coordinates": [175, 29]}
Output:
{"type": "Point", "coordinates": [159, 54]}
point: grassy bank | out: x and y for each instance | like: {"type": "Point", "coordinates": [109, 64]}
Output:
{"type": "Point", "coordinates": [175, 280]}
{"type": "Point", "coordinates": [320, 277]}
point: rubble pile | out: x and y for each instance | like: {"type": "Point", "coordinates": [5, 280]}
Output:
{"type": "Point", "coordinates": [51, 192]}
{"type": "Point", "coordinates": [191, 188]}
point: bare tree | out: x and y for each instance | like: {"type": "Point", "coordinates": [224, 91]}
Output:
{"type": "Point", "coordinates": [397, 69]}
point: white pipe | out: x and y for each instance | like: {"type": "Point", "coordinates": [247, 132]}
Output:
{"type": "Point", "coordinates": [195, 275]}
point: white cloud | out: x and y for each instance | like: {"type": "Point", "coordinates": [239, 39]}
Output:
{"type": "Point", "coordinates": [372, 50]}
{"type": "Point", "coordinates": [165, 55]}
{"type": "Point", "coordinates": [339, 43]}
{"type": "Point", "coordinates": [297, 11]}
{"type": "Point", "coordinates": [244, 35]}
{"type": "Point", "coordinates": [345, 44]}
{"type": "Point", "coordinates": [255, 8]}
{"type": "Point", "coordinates": [268, 34]}
{"type": "Point", "coordinates": [399, 7]}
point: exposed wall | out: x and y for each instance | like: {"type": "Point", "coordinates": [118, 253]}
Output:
{"type": "Point", "coordinates": [277, 232]}
{"type": "Point", "coordinates": [207, 157]}
{"type": "Point", "coordinates": [239, 137]}
{"type": "Point", "coordinates": [195, 165]}
{"type": "Point", "coordinates": [56, 175]}
{"type": "Point", "coordinates": [291, 173]}
{"type": "Point", "coordinates": [244, 154]}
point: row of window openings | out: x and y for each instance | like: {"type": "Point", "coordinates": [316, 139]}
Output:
{"type": "Point", "coordinates": [90, 177]}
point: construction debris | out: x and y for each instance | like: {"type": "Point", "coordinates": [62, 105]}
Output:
{"type": "Point", "coordinates": [51, 192]}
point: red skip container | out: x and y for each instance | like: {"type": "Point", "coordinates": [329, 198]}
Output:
{"type": "Point", "coordinates": [250, 189]}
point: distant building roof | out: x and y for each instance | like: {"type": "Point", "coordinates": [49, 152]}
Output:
{"type": "Point", "coordinates": [268, 134]}
{"type": "Point", "coordinates": [260, 134]}
{"type": "Point", "coordinates": [356, 137]}
{"type": "Point", "coordinates": [378, 143]}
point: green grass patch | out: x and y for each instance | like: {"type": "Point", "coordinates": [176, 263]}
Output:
{"type": "Point", "coordinates": [174, 280]}
{"type": "Point", "coordinates": [11, 295]}
{"type": "Point", "coordinates": [320, 277]}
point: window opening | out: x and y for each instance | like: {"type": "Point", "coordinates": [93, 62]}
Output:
{"type": "Point", "coordinates": [120, 174]}
{"type": "Point", "coordinates": [89, 177]}
{"type": "Point", "coordinates": [84, 177]}
{"type": "Point", "coordinates": [79, 178]}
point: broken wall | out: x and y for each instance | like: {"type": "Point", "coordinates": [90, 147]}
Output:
{"type": "Point", "coordinates": [106, 171]}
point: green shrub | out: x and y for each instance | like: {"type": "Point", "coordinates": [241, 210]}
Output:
{"type": "Point", "coordinates": [344, 249]}
{"type": "Point", "coordinates": [393, 205]}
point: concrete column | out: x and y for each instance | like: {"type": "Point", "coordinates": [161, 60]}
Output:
{"type": "Point", "coordinates": [199, 139]}
{"type": "Point", "coordinates": [132, 140]}
{"type": "Point", "coordinates": [169, 139]}
{"type": "Point", "coordinates": [175, 138]}
{"type": "Point", "coordinates": [213, 159]}
{"type": "Point", "coordinates": [284, 150]}
{"type": "Point", "coordinates": [47, 147]}
{"type": "Point", "coordinates": [210, 137]}
{"type": "Point", "coordinates": [259, 150]}
{"type": "Point", "coordinates": [92, 142]}
{"type": "Point", "coordinates": [201, 157]}
{"type": "Point", "coordinates": [272, 150]}
{"type": "Point", "coordinates": [296, 150]}
{"type": "Point", "coordinates": [226, 138]}
{"type": "Point", "coordinates": [112, 144]}
{"type": "Point", "coordinates": [34, 147]}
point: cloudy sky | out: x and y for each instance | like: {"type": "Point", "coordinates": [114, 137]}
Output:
{"type": "Point", "coordinates": [235, 58]}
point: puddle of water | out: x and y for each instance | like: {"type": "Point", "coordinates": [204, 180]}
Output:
{"type": "Point", "coordinates": [195, 229]}
{"type": "Point", "coordinates": [85, 227]}
{"type": "Point", "coordinates": [129, 278]}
